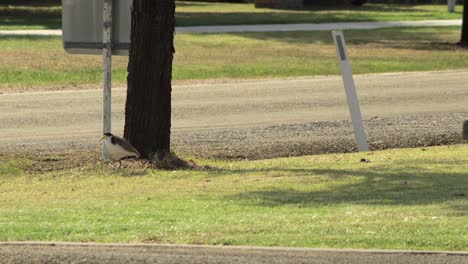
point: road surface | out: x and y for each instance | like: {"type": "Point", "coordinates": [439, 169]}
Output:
{"type": "Point", "coordinates": [255, 119]}
{"type": "Point", "coordinates": [23, 253]}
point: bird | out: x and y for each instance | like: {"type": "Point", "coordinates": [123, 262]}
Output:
{"type": "Point", "coordinates": [118, 148]}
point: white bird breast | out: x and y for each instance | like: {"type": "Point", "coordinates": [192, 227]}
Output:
{"type": "Point", "coordinates": [117, 152]}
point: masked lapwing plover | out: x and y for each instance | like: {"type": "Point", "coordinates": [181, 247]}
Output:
{"type": "Point", "coordinates": [118, 148]}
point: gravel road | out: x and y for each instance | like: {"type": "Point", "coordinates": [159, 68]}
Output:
{"type": "Point", "coordinates": [248, 119]}
{"type": "Point", "coordinates": [255, 119]}
{"type": "Point", "coordinates": [95, 253]}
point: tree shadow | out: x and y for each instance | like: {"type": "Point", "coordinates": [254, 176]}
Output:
{"type": "Point", "coordinates": [409, 38]}
{"type": "Point", "coordinates": [48, 14]}
{"type": "Point", "coordinates": [193, 4]}
{"type": "Point", "coordinates": [30, 2]}
{"type": "Point", "coordinates": [31, 14]}
{"type": "Point", "coordinates": [309, 14]}
{"type": "Point", "coordinates": [406, 8]}
{"type": "Point", "coordinates": [246, 18]}
{"type": "Point", "coordinates": [26, 38]}
{"type": "Point", "coordinates": [376, 185]}
{"type": "Point", "coordinates": [47, 23]}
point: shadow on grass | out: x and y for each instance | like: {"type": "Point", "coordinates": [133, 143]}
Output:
{"type": "Point", "coordinates": [31, 3]}
{"type": "Point", "coordinates": [193, 4]}
{"type": "Point", "coordinates": [18, 23]}
{"type": "Point", "coordinates": [378, 185]}
{"type": "Point", "coordinates": [398, 38]}
{"type": "Point", "coordinates": [28, 38]}
{"type": "Point", "coordinates": [30, 14]}
{"type": "Point", "coordinates": [313, 6]}
{"type": "Point", "coordinates": [407, 8]}
{"type": "Point", "coordinates": [246, 18]}
{"type": "Point", "coordinates": [27, 16]}
{"type": "Point", "coordinates": [310, 14]}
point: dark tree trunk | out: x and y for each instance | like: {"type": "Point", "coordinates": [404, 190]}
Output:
{"type": "Point", "coordinates": [148, 106]}
{"type": "Point", "coordinates": [464, 34]}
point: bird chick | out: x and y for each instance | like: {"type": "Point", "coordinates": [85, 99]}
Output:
{"type": "Point", "coordinates": [118, 148]}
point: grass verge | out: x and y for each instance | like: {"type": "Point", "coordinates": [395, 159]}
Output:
{"type": "Point", "coordinates": [401, 199]}
{"type": "Point", "coordinates": [41, 61]}
{"type": "Point", "coordinates": [47, 16]}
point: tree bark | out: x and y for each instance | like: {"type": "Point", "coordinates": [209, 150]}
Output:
{"type": "Point", "coordinates": [148, 105]}
{"type": "Point", "coordinates": [464, 34]}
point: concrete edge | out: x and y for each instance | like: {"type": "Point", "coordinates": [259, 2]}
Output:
{"type": "Point", "coordinates": [220, 247]}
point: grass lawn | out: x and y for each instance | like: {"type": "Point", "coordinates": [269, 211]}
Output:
{"type": "Point", "coordinates": [402, 199]}
{"type": "Point", "coordinates": [41, 61]}
{"type": "Point", "coordinates": [200, 13]}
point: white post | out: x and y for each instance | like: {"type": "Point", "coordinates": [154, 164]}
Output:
{"type": "Point", "coordinates": [353, 102]}
{"type": "Point", "coordinates": [451, 5]}
{"type": "Point", "coordinates": [107, 57]}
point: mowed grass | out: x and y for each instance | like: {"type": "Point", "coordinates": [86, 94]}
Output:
{"type": "Point", "coordinates": [39, 16]}
{"type": "Point", "coordinates": [42, 62]}
{"type": "Point", "coordinates": [401, 199]}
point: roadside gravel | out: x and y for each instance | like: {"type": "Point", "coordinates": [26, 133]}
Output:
{"type": "Point", "coordinates": [254, 119]}
{"type": "Point", "coordinates": [23, 253]}
{"type": "Point", "coordinates": [407, 131]}
{"type": "Point", "coordinates": [262, 142]}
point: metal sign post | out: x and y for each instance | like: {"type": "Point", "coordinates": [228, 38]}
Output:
{"type": "Point", "coordinates": [353, 102]}
{"type": "Point", "coordinates": [98, 27]}
{"type": "Point", "coordinates": [82, 26]}
{"type": "Point", "coordinates": [107, 65]}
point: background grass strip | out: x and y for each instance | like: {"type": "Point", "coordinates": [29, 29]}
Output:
{"type": "Point", "coordinates": [48, 16]}
{"type": "Point", "coordinates": [41, 61]}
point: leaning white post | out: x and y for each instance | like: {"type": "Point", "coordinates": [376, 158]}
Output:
{"type": "Point", "coordinates": [353, 102]}
{"type": "Point", "coordinates": [107, 57]}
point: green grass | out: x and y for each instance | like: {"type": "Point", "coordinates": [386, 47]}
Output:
{"type": "Point", "coordinates": [199, 13]}
{"type": "Point", "coordinates": [402, 199]}
{"type": "Point", "coordinates": [41, 61]}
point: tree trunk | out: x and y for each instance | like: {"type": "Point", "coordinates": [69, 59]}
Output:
{"type": "Point", "coordinates": [148, 106]}
{"type": "Point", "coordinates": [464, 34]}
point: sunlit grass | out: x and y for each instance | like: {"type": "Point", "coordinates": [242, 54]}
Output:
{"type": "Point", "coordinates": [401, 199]}
{"type": "Point", "coordinates": [41, 61]}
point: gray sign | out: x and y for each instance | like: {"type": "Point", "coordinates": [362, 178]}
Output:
{"type": "Point", "coordinates": [82, 25]}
